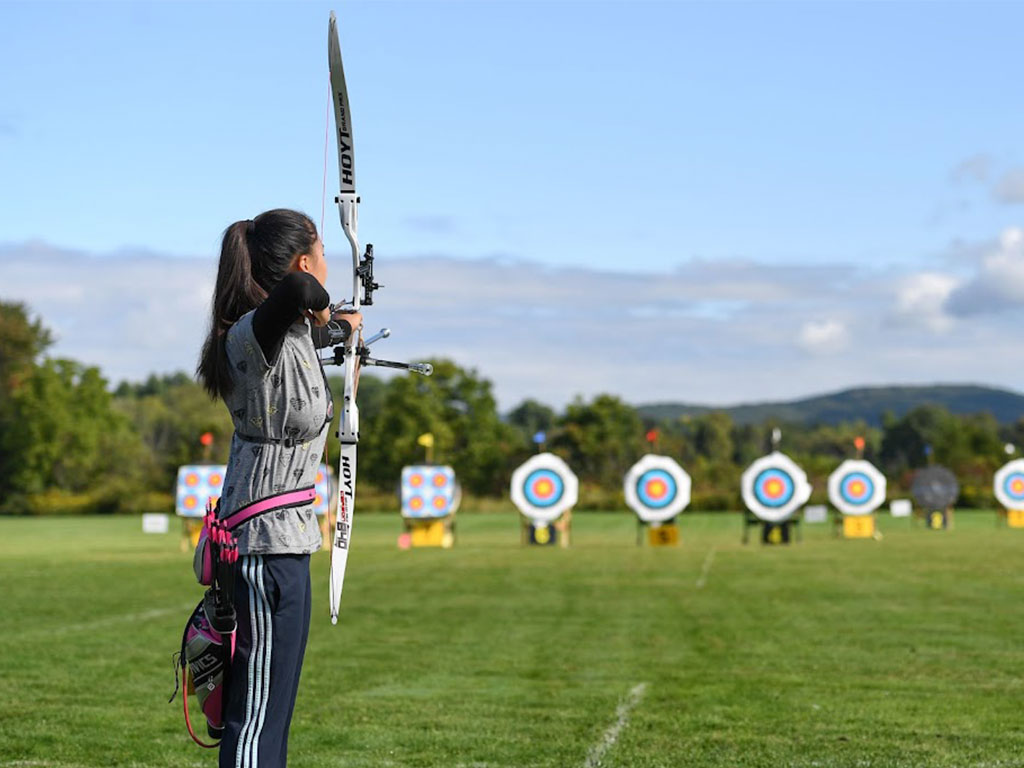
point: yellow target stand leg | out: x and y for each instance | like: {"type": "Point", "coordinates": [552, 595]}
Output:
{"type": "Point", "coordinates": [665, 534]}
{"type": "Point", "coordinates": [939, 519]}
{"type": "Point", "coordinates": [326, 526]}
{"type": "Point", "coordinates": [860, 527]}
{"type": "Point", "coordinates": [1015, 518]}
{"type": "Point", "coordinates": [191, 527]}
{"type": "Point", "coordinates": [431, 532]}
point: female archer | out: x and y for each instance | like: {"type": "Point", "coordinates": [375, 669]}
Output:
{"type": "Point", "coordinates": [270, 315]}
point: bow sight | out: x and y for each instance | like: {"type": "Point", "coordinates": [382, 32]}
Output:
{"type": "Point", "coordinates": [365, 274]}
{"type": "Point", "coordinates": [362, 348]}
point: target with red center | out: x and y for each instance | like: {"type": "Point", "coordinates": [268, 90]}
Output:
{"type": "Point", "coordinates": [429, 491]}
{"type": "Point", "coordinates": [656, 488]}
{"type": "Point", "coordinates": [1009, 484]}
{"type": "Point", "coordinates": [856, 487]}
{"type": "Point", "coordinates": [774, 487]}
{"type": "Point", "coordinates": [543, 488]}
{"type": "Point", "coordinates": [196, 484]}
{"type": "Point", "coordinates": [322, 484]}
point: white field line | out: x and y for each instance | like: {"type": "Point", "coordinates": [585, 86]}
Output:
{"type": "Point", "coordinates": [706, 569]}
{"type": "Point", "coordinates": [121, 618]}
{"type": "Point", "coordinates": [610, 736]}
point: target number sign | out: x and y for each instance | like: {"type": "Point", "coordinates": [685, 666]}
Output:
{"type": "Point", "coordinates": [544, 488]}
{"type": "Point", "coordinates": [1009, 484]}
{"type": "Point", "coordinates": [774, 487]}
{"type": "Point", "coordinates": [856, 487]}
{"type": "Point", "coordinates": [429, 491]}
{"type": "Point", "coordinates": [656, 488]}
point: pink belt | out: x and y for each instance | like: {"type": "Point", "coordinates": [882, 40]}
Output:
{"type": "Point", "coordinates": [269, 504]}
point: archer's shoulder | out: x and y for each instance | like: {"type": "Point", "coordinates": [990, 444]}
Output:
{"type": "Point", "coordinates": [240, 341]}
{"type": "Point", "coordinates": [241, 329]}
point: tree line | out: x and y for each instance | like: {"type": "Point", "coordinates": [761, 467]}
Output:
{"type": "Point", "coordinates": [71, 443]}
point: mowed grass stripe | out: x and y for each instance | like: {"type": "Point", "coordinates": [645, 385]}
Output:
{"type": "Point", "coordinates": [828, 652]}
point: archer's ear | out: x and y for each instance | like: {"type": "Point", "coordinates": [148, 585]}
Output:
{"type": "Point", "coordinates": [302, 262]}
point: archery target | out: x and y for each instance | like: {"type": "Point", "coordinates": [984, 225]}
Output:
{"type": "Point", "coordinates": [656, 488]}
{"type": "Point", "coordinates": [544, 487]}
{"type": "Point", "coordinates": [322, 483]}
{"type": "Point", "coordinates": [196, 484]}
{"type": "Point", "coordinates": [1009, 484]}
{"type": "Point", "coordinates": [199, 482]}
{"type": "Point", "coordinates": [429, 491]}
{"type": "Point", "coordinates": [774, 487]}
{"type": "Point", "coordinates": [856, 487]}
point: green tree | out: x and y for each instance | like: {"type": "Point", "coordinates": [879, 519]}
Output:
{"type": "Point", "coordinates": [169, 414]}
{"type": "Point", "coordinates": [22, 341]}
{"type": "Point", "coordinates": [457, 407]}
{"type": "Point", "coordinates": [64, 433]}
{"type": "Point", "coordinates": [530, 417]}
{"type": "Point", "coordinates": [600, 440]}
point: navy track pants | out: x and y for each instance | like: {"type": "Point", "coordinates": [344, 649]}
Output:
{"type": "Point", "coordinates": [272, 603]}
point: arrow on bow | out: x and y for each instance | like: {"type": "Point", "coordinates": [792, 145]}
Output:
{"type": "Point", "coordinates": [354, 353]}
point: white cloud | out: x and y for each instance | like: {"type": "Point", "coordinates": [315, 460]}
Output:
{"type": "Point", "coordinates": [998, 283]}
{"type": "Point", "coordinates": [823, 337]}
{"type": "Point", "coordinates": [975, 168]}
{"type": "Point", "coordinates": [707, 331]}
{"type": "Point", "coordinates": [1010, 187]}
{"type": "Point", "coordinates": [920, 301]}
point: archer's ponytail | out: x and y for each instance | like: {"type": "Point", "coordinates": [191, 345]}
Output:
{"type": "Point", "coordinates": [254, 256]}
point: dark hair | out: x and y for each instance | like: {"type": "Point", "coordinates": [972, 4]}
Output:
{"type": "Point", "coordinates": [254, 256]}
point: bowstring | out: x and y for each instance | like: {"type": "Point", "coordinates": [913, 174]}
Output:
{"type": "Point", "coordinates": [327, 134]}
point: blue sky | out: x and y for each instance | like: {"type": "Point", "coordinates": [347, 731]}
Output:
{"type": "Point", "coordinates": [878, 141]}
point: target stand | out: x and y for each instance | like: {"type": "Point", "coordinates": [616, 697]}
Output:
{"type": "Point", "coordinates": [856, 489]}
{"type": "Point", "coordinates": [782, 532]}
{"type": "Point", "coordinates": [430, 498]}
{"type": "Point", "coordinates": [773, 488]}
{"type": "Point", "coordinates": [1009, 490]}
{"type": "Point", "coordinates": [657, 489]}
{"type": "Point", "coordinates": [935, 489]}
{"type": "Point", "coordinates": [544, 491]}
{"type": "Point", "coordinates": [936, 519]}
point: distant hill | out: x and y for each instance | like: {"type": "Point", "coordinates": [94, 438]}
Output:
{"type": "Point", "coordinates": [867, 403]}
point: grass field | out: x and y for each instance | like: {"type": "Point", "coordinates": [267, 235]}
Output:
{"type": "Point", "coordinates": [903, 652]}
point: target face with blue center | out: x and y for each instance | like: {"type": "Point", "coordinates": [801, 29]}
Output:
{"type": "Point", "coordinates": [543, 488]}
{"type": "Point", "coordinates": [656, 488]}
{"type": "Point", "coordinates": [774, 487]}
{"type": "Point", "coordinates": [1009, 485]}
{"type": "Point", "coordinates": [429, 491]}
{"type": "Point", "coordinates": [856, 487]}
